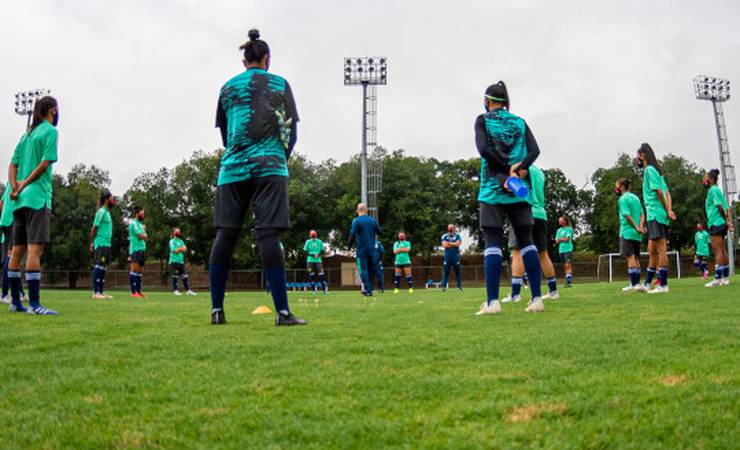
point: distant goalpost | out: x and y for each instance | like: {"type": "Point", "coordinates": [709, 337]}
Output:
{"type": "Point", "coordinates": [611, 257]}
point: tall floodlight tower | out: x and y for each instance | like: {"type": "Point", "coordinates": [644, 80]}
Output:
{"type": "Point", "coordinates": [368, 72]}
{"type": "Point", "coordinates": [24, 102]}
{"type": "Point", "coordinates": [717, 91]}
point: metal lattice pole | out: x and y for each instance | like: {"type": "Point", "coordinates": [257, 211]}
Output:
{"type": "Point", "coordinates": [727, 172]}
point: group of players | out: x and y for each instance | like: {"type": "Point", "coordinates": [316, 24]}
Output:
{"type": "Point", "coordinates": [257, 117]}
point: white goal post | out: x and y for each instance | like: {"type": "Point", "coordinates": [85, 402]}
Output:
{"type": "Point", "coordinates": [611, 257]}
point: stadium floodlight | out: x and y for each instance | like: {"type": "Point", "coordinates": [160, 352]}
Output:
{"type": "Point", "coordinates": [368, 72]}
{"type": "Point", "coordinates": [717, 91]}
{"type": "Point", "coordinates": [24, 102]}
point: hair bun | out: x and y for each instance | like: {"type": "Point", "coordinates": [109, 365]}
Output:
{"type": "Point", "coordinates": [254, 34]}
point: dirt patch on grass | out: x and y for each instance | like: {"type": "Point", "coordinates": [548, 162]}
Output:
{"type": "Point", "coordinates": [527, 413]}
{"type": "Point", "coordinates": [672, 380]}
{"type": "Point", "coordinates": [94, 399]}
{"type": "Point", "coordinates": [211, 411]}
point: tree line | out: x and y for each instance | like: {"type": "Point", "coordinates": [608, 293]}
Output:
{"type": "Point", "coordinates": [420, 196]}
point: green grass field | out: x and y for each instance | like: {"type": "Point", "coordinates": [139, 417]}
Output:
{"type": "Point", "coordinates": [598, 369]}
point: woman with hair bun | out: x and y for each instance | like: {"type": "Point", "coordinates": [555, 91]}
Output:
{"type": "Point", "coordinates": [719, 221]}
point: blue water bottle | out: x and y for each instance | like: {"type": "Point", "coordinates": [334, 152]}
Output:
{"type": "Point", "coordinates": [517, 187]}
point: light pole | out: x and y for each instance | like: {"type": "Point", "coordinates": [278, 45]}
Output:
{"type": "Point", "coordinates": [369, 72]}
{"type": "Point", "coordinates": [24, 102]}
{"type": "Point", "coordinates": [717, 91]}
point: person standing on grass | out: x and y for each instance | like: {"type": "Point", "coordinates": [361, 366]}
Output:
{"type": "Point", "coordinates": [178, 250]}
{"type": "Point", "coordinates": [6, 239]}
{"type": "Point", "coordinates": [701, 250]}
{"type": "Point", "coordinates": [659, 206]}
{"type": "Point", "coordinates": [258, 121]}
{"type": "Point", "coordinates": [564, 239]}
{"type": "Point", "coordinates": [507, 148]}
{"type": "Point", "coordinates": [101, 234]}
{"type": "Point", "coordinates": [451, 242]}
{"type": "Point", "coordinates": [631, 228]}
{"type": "Point", "coordinates": [378, 262]}
{"type": "Point", "coordinates": [314, 249]}
{"type": "Point", "coordinates": [539, 235]}
{"type": "Point", "coordinates": [30, 178]}
{"type": "Point", "coordinates": [719, 220]}
{"type": "Point", "coordinates": [363, 234]}
{"type": "Point", "coordinates": [137, 251]}
{"type": "Point", "coordinates": [402, 250]}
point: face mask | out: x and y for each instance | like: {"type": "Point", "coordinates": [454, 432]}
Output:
{"type": "Point", "coordinates": [401, 238]}
{"type": "Point", "coordinates": [451, 230]}
{"type": "Point", "coordinates": [705, 183]}
{"type": "Point", "coordinates": [639, 163]}
{"type": "Point", "coordinates": [699, 228]}
{"type": "Point", "coordinates": [141, 217]}
{"type": "Point", "coordinates": [177, 234]}
{"type": "Point", "coordinates": [616, 192]}
{"type": "Point", "coordinates": [56, 118]}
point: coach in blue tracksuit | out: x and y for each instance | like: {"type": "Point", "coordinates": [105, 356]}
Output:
{"type": "Point", "coordinates": [378, 261]}
{"type": "Point", "coordinates": [451, 242]}
{"type": "Point", "coordinates": [363, 233]}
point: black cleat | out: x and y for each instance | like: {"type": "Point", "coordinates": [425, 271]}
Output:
{"type": "Point", "coordinates": [218, 317]}
{"type": "Point", "coordinates": [288, 320]}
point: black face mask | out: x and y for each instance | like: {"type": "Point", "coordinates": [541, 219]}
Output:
{"type": "Point", "coordinates": [56, 118]}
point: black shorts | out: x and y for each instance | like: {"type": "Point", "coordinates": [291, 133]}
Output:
{"type": "Point", "coordinates": [138, 257]}
{"type": "Point", "coordinates": [267, 195]}
{"type": "Point", "coordinates": [519, 214]}
{"type": "Point", "coordinates": [178, 270]}
{"type": "Point", "coordinates": [31, 226]}
{"type": "Point", "coordinates": [656, 230]}
{"type": "Point", "coordinates": [539, 236]}
{"type": "Point", "coordinates": [566, 257]}
{"type": "Point", "coordinates": [101, 256]}
{"type": "Point", "coordinates": [8, 233]}
{"type": "Point", "coordinates": [629, 247]}
{"type": "Point", "coordinates": [700, 258]}
{"type": "Point", "coordinates": [316, 267]}
{"type": "Point", "coordinates": [718, 230]}
{"type": "Point", "coordinates": [402, 266]}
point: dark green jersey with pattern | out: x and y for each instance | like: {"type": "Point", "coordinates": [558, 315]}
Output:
{"type": "Point", "coordinates": [257, 116]}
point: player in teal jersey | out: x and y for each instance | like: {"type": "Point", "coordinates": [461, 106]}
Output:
{"type": "Point", "coordinates": [6, 239]}
{"type": "Point", "coordinates": [507, 148]}
{"type": "Point", "coordinates": [659, 208]}
{"type": "Point", "coordinates": [314, 249]}
{"type": "Point", "coordinates": [257, 117]}
{"type": "Point", "coordinates": [719, 221]}
{"type": "Point", "coordinates": [101, 234]}
{"type": "Point", "coordinates": [540, 237]}
{"type": "Point", "coordinates": [30, 178]}
{"type": "Point", "coordinates": [402, 250]}
{"type": "Point", "coordinates": [701, 250]}
{"type": "Point", "coordinates": [564, 239]}
{"type": "Point", "coordinates": [178, 250]}
{"type": "Point", "coordinates": [137, 250]}
{"type": "Point", "coordinates": [631, 229]}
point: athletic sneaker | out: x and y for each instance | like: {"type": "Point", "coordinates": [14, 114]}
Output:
{"type": "Point", "coordinates": [99, 297]}
{"type": "Point", "coordinates": [725, 281]}
{"type": "Point", "coordinates": [20, 309]}
{"type": "Point", "coordinates": [191, 292]}
{"type": "Point", "coordinates": [633, 288]}
{"type": "Point", "coordinates": [177, 292]}
{"type": "Point", "coordinates": [396, 291]}
{"type": "Point", "coordinates": [493, 307]}
{"type": "Point", "coordinates": [367, 294]}
{"type": "Point", "coordinates": [136, 295]}
{"type": "Point", "coordinates": [6, 300]}
{"type": "Point", "coordinates": [218, 317]}
{"type": "Point", "coordinates": [641, 288]}
{"type": "Point", "coordinates": [535, 306]}
{"type": "Point", "coordinates": [659, 290]}
{"type": "Point", "coordinates": [705, 275]}
{"type": "Point", "coordinates": [553, 295]}
{"type": "Point", "coordinates": [714, 283]}
{"type": "Point", "coordinates": [510, 299]}
{"type": "Point", "coordinates": [41, 311]}
{"type": "Point", "coordinates": [288, 320]}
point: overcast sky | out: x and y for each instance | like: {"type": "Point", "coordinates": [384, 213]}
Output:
{"type": "Point", "coordinates": [138, 80]}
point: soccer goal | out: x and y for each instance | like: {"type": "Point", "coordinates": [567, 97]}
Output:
{"type": "Point", "coordinates": [611, 256]}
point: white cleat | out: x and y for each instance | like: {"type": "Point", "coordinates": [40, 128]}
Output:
{"type": "Point", "coordinates": [552, 295]}
{"type": "Point", "coordinates": [725, 281]}
{"type": "Point", "coordinates": [713, 283]}
{"type": "Point", "coordinates": [510, 299]}
{"type": "Point", "coordinates": [659, 290]}
{"type": "Point", "coordinates": [191, 292]}
{"type": "Point", "coordinates": [629, 289]}
{"type": "Point", "coordinates": [176, 293]}
{"type": "Point", "coordinates": [494, 307]}
{"type": "Point", "coordinates": [6, 300]}
{"type": "Point", "coordinates": [535, 306]}
{"type": "Point", "coordinates": [641, 288]}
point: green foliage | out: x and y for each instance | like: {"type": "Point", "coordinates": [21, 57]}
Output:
{"type": "Point", "coordinates": [598, 369]}
{"type": "Point", "coordinates": [563, 198]}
